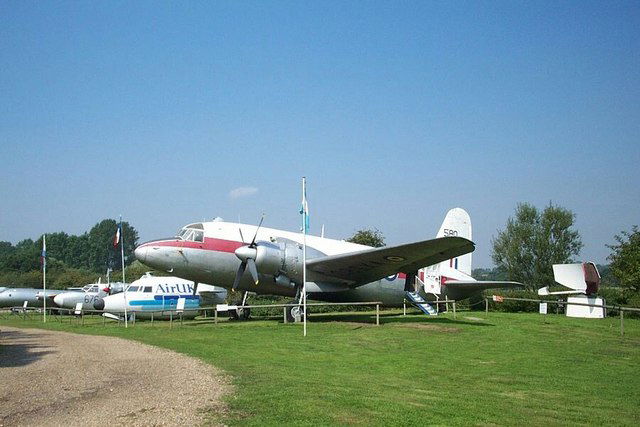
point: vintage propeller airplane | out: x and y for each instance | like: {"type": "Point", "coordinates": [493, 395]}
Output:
{"type": "Point", "coordinates": [216, 252]}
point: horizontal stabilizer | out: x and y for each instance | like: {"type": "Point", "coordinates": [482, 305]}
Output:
{"type": "Point", "coordinates": [481, 285]}
{"type": "Point", "coordinates": [545, 291]}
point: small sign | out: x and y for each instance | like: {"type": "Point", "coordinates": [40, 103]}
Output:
{"type": "Point", "coordinates": [78, 309]}
{"type": "Point", "coordinates": [543, 308]}
{"type": "Point", "coordinates": [180, 306]}
{"type": "Point", "coordinates": [498, 298]}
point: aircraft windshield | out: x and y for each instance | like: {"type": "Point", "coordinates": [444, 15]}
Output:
{"type": "Point", "coordinates": [132, 289]}
{"type": "Point", "coordinates": [192, 233]}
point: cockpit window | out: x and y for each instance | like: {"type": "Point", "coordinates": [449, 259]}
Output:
{"type": "Point", "coordinates": [196, 226]}
{"type": "Point", "coordinates": [192, 235]}
{"type": "Point", "coordinates": [147, 289]}
{"type": "Point", "coordinates": [132, 289]}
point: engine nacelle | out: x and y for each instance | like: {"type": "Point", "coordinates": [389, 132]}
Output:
{"type": "Point", "coordinates": [269, 258]}
{"type": "Point", "coordinates": [282, 259]}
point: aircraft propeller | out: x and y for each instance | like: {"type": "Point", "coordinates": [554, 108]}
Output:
{"type": "Point", "coordinates": [247, 255]}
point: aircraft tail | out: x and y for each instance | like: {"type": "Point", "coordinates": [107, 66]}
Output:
{"type": "Point", "coordinates": [580, 277]}
{"type": "Point", "coordinates": [457, 223]}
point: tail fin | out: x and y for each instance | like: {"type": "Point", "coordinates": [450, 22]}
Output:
{"type": "Point", "coordinates": [457, 223]}
{"type": "Point", "coordinates": [582, 277]}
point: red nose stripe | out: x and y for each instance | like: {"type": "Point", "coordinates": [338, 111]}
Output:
{"type": "Point", "coordinates": [209, 244]}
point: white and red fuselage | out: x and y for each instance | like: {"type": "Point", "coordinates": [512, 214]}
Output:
{"type": "Point", "coordinates": [206, 252]}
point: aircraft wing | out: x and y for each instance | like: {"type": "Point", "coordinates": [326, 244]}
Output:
{"type": "Point", "coordinates": [358, 268]}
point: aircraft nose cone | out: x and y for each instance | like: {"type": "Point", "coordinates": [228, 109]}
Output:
{"type": "Point", "coordinates": [141, 253]}
{"type": "Point", "coordinates": [98, 304]}
{"type": "Point", "coordinates": [58, 300]}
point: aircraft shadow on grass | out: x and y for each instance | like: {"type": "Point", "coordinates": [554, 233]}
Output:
{"type": "Point", "coordinates": [21, 348]}
{"type": "Point", "coordinates": [365, 319]}
{"type": "Point", "coordinates": [390, 318]}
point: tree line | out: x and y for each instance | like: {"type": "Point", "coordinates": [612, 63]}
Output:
{"type": "Point", "coordinates": [72, 260]}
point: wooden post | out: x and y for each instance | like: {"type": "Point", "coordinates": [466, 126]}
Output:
{"type": "Point", "coordinates": [181, 319]}
{"type": "Point", "coordinates": [486, 305]}
{"type": "Point", "coordinates": [377, 314]}
{"type": "Point", "coordinates": [82, 316]}
{"type": "Point", "coordinates": [170, 319]}
{"type": "Point", "coordinates": [284, 314]}
{"type": "Point", "coordinates": [215, 316]}
{"type": "Point", "coordinates": [454, 309]}
{"type": "Point", "coordinates": [404, 307]}
{"type": "Point", "coordinates": [152, 313]}
{"type": "Point", "coordinates": [104, 321]}
{"type": "Point", "coordinates": [621, 322]}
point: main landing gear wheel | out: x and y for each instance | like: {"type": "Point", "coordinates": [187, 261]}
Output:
{"type": "Point", "coordinates": [294, 313]}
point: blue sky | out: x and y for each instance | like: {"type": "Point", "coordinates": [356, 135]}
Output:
{"type": "Point", "coordinates": [395, 112]}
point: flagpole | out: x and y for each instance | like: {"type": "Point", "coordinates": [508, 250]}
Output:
{"type": "Point", "coordinates": [124, 282]}
{"type": "Point", "coordinates": [44, 277]}
{"type": "Point", "coordinates": [304, 255]}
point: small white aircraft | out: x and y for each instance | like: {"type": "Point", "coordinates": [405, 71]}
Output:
{"type": "Point", "coordinates": [86, 295]}
{"type": "Point", "coordinates": [156, 293]}
{"type": "Point", "coordinates": [337, 271]}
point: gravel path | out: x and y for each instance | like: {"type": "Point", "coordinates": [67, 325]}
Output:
{"type": "Point", "coordinates": [58, 378]}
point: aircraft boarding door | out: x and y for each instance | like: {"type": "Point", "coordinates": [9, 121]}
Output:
{"type": "Point", "coordinates": [431, 280]}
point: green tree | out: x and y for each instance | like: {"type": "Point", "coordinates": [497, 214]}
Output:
{"type": "Point", "coordinates": [368, 236]}
{"type": "Point", "coordinates": [532, 241]}
{"type": "Point", "coordinates": [101, 252]}
{"type": "Point", "coordinates": [625, 263]}
{"type": "Point", "coordinates": [7, 254]}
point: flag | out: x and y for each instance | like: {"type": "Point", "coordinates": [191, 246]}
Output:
{"type": "Point", "coordinates": [43, 255]}
{"type": "Point", "coordinates": [116, 239]}
{"type": "Point", "coordinates": [304, 209]}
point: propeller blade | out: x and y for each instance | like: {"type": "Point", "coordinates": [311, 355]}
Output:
{"type": "Point", "coordinates": [253, 270]}
{"type": "Point", "coordinates": [239, 274]}
{"type": "Point", "coordinates": [195, 288]}
{"type": "Point", "coordinates": [253, 242]}
{"type": "Point", "coordinates": [241, 236]}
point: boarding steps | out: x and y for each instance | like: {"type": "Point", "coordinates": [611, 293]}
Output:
{"type": "Point", "coordinates": [421, 303]}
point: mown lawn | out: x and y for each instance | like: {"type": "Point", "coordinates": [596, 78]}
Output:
{"type": "Point", "coordinates": [494, 368]}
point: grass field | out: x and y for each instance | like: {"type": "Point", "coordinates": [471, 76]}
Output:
{"type": "Point", "coordinates": [494, 368]}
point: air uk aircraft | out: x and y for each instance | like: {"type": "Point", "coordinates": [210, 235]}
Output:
{"type": "Point", "coordinates": [156, 293]}
{"type": "Point", "coordinates": [337, 271]}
